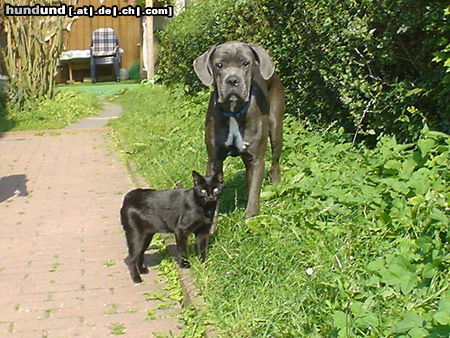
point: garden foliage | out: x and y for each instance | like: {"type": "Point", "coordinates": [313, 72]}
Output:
{"type": "Point", "coordinates": [373, 66]}
{"type": "Point", "coordinates": [353, 241]}
{"type": "Point", "coordinates": [64, 108]}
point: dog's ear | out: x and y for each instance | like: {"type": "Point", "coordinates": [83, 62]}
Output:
{"type": "Point", "coordinates": [218, 177]}
{"type": "Point", "coordinates": [202, 67]}
{"type": "Point", "coordinates": [266, 66]}
{"type": "Point", "coordinates": [198, 179]}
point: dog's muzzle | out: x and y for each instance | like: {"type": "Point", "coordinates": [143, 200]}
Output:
{"type": "Point", "coordinates": [233, 89]}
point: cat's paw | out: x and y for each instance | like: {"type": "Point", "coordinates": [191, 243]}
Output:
{"type": "Point", "coordinates": [143, 269]}
{"type": "Point", "coordinates": [184, 263]}
{"type": "Point", "coordinates": [137, 279]}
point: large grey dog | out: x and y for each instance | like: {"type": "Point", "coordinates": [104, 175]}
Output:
{"type": "Point", "coordinates": [245, 109]}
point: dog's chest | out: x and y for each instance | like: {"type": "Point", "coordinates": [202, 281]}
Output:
{"type": "Point", "coordinates": [235, 138]}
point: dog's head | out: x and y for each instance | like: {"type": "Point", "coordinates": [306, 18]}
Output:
{"type": "Point", "coordinates": [231, 67]}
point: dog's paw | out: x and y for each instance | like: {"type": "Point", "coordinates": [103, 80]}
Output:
{"type": "Point", "coordinates": [184, 263]}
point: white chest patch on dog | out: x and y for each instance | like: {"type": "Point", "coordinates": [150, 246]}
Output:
{"type": "Point", "coordinates": [234, 136]}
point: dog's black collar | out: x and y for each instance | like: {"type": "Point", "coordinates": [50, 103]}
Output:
{"type": "Point", "coordinates": [240, 112]}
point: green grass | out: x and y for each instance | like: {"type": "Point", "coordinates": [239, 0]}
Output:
{"type": "Point", "coordinates": [99, 88]}
{"type": "Point", "coordinates": [65, 108]}
{"type": "Point", "coordinates": [352, 242]}
{"type": "Point", "coordinates": [117, 329]}
{"type": "Point", "coordinates": [163, 135]}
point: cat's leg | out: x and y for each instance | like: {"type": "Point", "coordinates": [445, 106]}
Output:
{"type": "Point", "coordinates": [181, 238]}
{"type": "Point", "coordinates": [141, 266]}
{"type": "Point", "coordinates": [201, 239]}
{"type": "Point", "coordinates": [135, 243]}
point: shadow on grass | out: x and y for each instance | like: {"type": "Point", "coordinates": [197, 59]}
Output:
{"type": "Point", "coordinates": [234, 194]}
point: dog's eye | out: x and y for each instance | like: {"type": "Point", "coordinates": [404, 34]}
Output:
{"type": "Point", "coordinates": [219, 65]}
{"type": "Point", "coordinates": [203, 191]}
{"type": "Point", "coordinates": [245, 63]}
{"type": "Point", "coordinates": [215, 190]}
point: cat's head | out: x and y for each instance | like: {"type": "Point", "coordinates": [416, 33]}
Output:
{"type": "Point", "coordinates": [207, 189]}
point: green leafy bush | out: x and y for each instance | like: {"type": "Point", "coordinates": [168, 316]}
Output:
{"type": "Point", "coordinates": [134, 72]}
{"type": "Point", "coordinates": [353, 241]}
{"type": "Point", "coordinates": [366, 64]}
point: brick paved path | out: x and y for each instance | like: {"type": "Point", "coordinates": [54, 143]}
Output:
{"type": "Point", "coordinates": [61, 243]}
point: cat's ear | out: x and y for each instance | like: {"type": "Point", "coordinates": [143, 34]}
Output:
{"type": "Point", "coordinates": [198, 179]}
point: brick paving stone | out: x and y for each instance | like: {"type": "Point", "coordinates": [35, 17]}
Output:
{"type": "Point", "coordinates": [62, 245]}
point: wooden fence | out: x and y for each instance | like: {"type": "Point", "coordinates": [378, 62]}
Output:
{"type": "Point", "coordinates": [127, 28]}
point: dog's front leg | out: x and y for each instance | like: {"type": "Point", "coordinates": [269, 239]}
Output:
{"type": "Point", "coordinates": [215, 166]}
{"type": "Point", "coordinates": [255, 168]}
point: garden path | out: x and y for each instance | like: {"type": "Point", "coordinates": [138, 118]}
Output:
{"type": "Point", "coordinates": [62, 246]}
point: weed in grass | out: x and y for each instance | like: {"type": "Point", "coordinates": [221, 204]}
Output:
{"type": "Point", "coordinates": [111, 309]}
{"type": "Point", "coordinates": [159, 335]}
{"type": "Point", "coordinates": [11, 327]}
{"type": "Point", "coordinates": [117, 329]}
{"type": "Point", "coordinates": [154, 296]}
{"type": "Point", "coordinates": [169, 271]}
{"type": "Point", "coordinates": [54, 267]}
{"type": "Point", "coordinates": [194, 323]}
{"type": "Point", "coordinates": [164, 306]}
{"type": "Point", "coordinates": [47, 313]}
{"type": "Point", "coordinates": [150, 314]}
{"type": "Point", "coordinates": [132, 310]}
{"type": "Point", "coordinates": [109, 263]}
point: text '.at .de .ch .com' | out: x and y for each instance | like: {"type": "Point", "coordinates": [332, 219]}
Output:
{"type": "Point", "coordinates": [90, 11]}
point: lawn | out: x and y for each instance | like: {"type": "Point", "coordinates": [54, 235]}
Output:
{"type": "Point", "coordinates": [100, 88]}
{"type": "Point", "coordinates": [352, 242]}
{"type": "Point", "coordinates": [71, 103]}
{"type": "Point", "coordinates": [65, 108]}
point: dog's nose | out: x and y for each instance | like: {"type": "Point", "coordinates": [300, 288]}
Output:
{"type": "Point", "coordinates": [233, 80]}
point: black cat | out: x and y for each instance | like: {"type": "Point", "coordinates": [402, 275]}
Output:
{"type": "Point", "coordinates": [181, 211]}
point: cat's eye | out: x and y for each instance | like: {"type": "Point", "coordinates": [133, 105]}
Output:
{"type": "Point", "coordinates": [203, 191]}
{"type": "Point", "coordinates": [215, 190]}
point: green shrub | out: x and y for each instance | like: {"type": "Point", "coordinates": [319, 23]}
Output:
{"type": "Point", "coordinates": [204, 24]}
{"type": "Point", "coordinates": [134, 73]}
{"type": "Point", "coordinates": [353, 242]}
{"type": "Point", "coordinates": [366, 64]}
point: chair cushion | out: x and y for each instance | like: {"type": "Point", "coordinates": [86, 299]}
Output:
{"type": "Point", "coordinates": [104, 42]}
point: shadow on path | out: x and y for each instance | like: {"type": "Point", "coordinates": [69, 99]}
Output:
{"type": "Point", "coordinates": [11, 184]}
